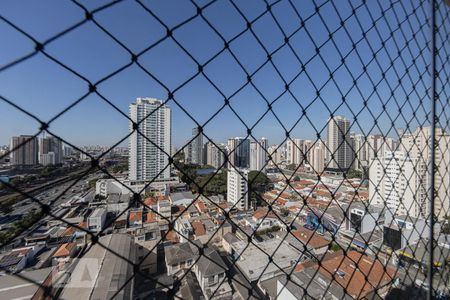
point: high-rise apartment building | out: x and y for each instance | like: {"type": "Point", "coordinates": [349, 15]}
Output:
{"type": "Point", "coordinates": [237, 188]}
{"type": "Point", "coordinates": [317, 157]}
{"type": "Point", "coordinates": [393, 183]}
{"type": "Point", "coordinates": [26, 153]}
{"type": "Point", "coordinates": [277, 154]}
{"type": "Point", "coordinates": [339, 151]}
{"type": "Point", "coordinates": [215, 155]}
{"type": "Point", "coordinates": [295, 151]}
{"type": "Point", "coordinates": [50, 151]}
{"type": "Point", "coordinates": [196, 147]}
{"type": "Point", "coordinates": [238, 153]}
{"type": "Point", "coordinates": [418, 145]}
{"type": "Point", "coordinates": [149, 149]}
{"type": "Point", "coordinates": [258, 154]}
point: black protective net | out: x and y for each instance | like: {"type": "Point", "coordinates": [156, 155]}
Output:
{"type": "Point", "coordinates": [358, 209]}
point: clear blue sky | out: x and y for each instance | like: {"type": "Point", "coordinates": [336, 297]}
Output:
{"type": "Point", "coordinates": [44, 88]}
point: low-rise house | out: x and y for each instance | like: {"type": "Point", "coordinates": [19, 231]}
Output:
{"type": "Point", "coordinates": [135, 218]}
{"type": "Point", "coordinates": [184, 229]}
{"type": "Point", "coordinates": [181, 256]}
{"type": "Point", "coordinates": [17, 259]}
{"type": "Point", "coordinates": [210, 272]}
{"type": "Point", "coordinates": [200, 231]}
{"type": "Point", "coordinates": [64, 254]}
{"type": "Point", "coordinates": [314, 243]}
{"type": "Point", "coordinates": [262, 219]}
{"type": "Point", "coordinates": [228, 240]}
{"type": "Point", "coordinates": [164, 209]}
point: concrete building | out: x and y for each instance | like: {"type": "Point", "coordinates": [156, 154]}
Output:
{"type": "Point", "coordinates": [146, 161]}
{"type": "Point", "coordinates": [254, 262]}
{"type": "Point", "coordinates": [258, 154]}
{"type": "Point", "coordinates": [100, 274]}
{"type": "Point", "coordinates": [277, 154]}
{"type": "Point", "coordinates": [317, 157]}
{"type": "Point", "coordinates": [393, 183]}
{"type": "Point", "coordinates": [238, 153]}
{"type": "Point", "coordinates": [50, 151]}
{"type": "Point", "coordinates": [339, 150]}
{"type": "Point", "coordinates": [197, 146]}
{"type": "Point", "coordinates": [295, 152]}
{"type": "Point", "coordinates": [215, 155]}
{"type": "Point", "coordinates": [24, 150]}
{"type": "Point", "coordinates": [96, 220]}
{"type": "Point", "coordinates": [237, 188]}
{"type": "Point", "coordinates": [211, 275]}
{"type": "Point", "coordinates": [418, 147]}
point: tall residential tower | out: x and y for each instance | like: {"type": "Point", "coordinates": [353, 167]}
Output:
{"type": "Point", "coordinates": [149, 149]}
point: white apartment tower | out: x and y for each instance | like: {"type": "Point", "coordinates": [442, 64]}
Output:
{"type": "Point", "coordinates": [258, 155]}
{"type": "Point", "coordinates": [149, 150]}
{"type": "Point", "coordinates": [417, 145]}
{"type": "Point", "coordinates": [339, 152]}
{"type": "Point", "coordinates": [215, 155]}
{"type": "Point", "coordinates": [237, 188]}
{"type": "Point", "coordinates": [393, 183]}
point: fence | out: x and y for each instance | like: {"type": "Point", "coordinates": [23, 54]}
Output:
{"type": "Point", "coordinates": [375, 204]}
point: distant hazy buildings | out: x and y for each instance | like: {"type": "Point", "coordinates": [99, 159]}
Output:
{"type": "Point", "coordinates": [258, 154]}
{"type": "Point", "coordinates": [193, 151]}
{"type": "Point", "coordinates": [197, 146]}
{"type": "Point", "coordinates": [24, 150]}
{"type": "Point", "coordinates": [237, 188]}
{"type": "Point", "coordinates": [215, 154]}
{"type": "Point", "coordinates": [238, 153]}
{"type": "Point", "coordinates": [339, 150]}
{"type": "Point", "coordinates": [149, 150]}
{"type": "Point", "coordinates": [50, 151]}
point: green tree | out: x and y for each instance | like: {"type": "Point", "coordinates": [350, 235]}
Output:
{"type": "Point", "coordinates": [352, 173]}
{"type": "Point", "coordinates": [297, 178]}
{"type": "Point", "coordinates": [258, 183]}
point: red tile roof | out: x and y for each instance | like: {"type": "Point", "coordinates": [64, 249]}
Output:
{"type": "Point", "coordinates": [64, 250]}
{"type": "Point", "coordinates": [199, 228]}
{"type": "Point", "coordinates": [361, 274]}
{"type": "Point", "coordinates": [311, 238]}
{"type": "Point", "coordinates": [150, 217]}
{"type": "Point", "coordinates": [135, 216]}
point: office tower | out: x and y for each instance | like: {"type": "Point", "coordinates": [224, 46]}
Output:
{"type": "Point", "coordinates": [215, 156]}
{"type": "Point", "coordinates": [237, 188]}
{"type": "Point", "coordinates": [238, 153]}
{"type": "Point", "coordinates": [26, 153]}
{"type": "Point", "coordinates": [149, 151]}
{"type": "Point", "coordinates": [418, 147]}
{"type": "Point", "coordinates": [258, 154]}
{"type": "Point", "coordinates": [339, 152]}
{"type": "Point", "coordinates": [197, 147]}
{"type": "Point", "coordinates": [392, 183]}
{"type": "Point", "coordinates": [50, 151]}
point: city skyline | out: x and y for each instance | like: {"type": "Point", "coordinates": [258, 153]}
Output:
{"type": "Point", "coordinates": [90, 53]}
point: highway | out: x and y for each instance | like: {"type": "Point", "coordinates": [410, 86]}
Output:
{"type": "Point", "coordinates": [47, 197]}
